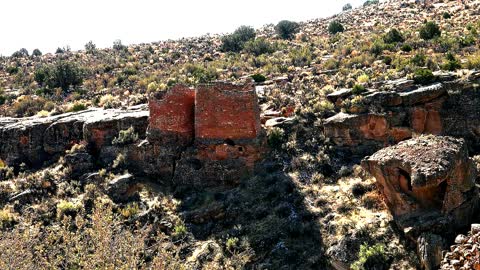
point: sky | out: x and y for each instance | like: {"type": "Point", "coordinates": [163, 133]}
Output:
{"type": "Point", "coordinates": [49, 24]}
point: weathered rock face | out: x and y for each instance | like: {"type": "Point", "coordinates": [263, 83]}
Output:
{"type": "Point", "coordinates": [427, 174]}
{"type": "Point", "coordinates": [35, 140]}
{"type": "Point", "coordinates": [428, 183]}
{"type": "Point", "coordinates": [448, 108]}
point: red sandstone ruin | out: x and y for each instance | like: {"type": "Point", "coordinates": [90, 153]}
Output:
{"type": "Point", "coordinates": [214, 128]}
{"type": "Point", "coordinates": [211, 113]}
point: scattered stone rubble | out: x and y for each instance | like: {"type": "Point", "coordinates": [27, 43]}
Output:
{"type": "Point", "coordinates": [428, 183]}
{"type": "Point", "coordinates": [465, 253]}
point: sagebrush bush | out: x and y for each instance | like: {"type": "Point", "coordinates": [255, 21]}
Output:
{"type": "Point", "coordinates": [430, 30]}
{"type": "Point", "coordinates": [335, 27]}
{"type": "Point", "coordinates": [28, 106]}
{"type": "Point", "coordinates": [423, 76]}
{"type": "Point", "coordinates": [126, 136]}
{"type": "Point", "coordinates": [200, 73]}
{"type": "Point", "coordinates": [286, 29]}
{"type": "Point", "coordinates": [259, 46]}
{"type": "Point", "coordinates": [301, 57]}
{"type": "Point", "coordinates": [358, 89]}
{"type": "Point", "coordinates": [372, 257]}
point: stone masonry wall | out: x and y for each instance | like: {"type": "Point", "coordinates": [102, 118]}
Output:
{"type": "Point", "coordinates": [226, 111]}
{"type": "Point", "coordinates": [172, 116]}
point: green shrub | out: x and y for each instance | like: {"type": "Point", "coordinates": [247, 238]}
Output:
{"type": "Point", "coordinates": [7, 218]}
{"type": "Point", "coordinates": [393, 36]}
{"type": "Point", "coordinates": [258, 78]}
{"type": "Point", "coordinates": [90, 47]}
{"type": "Point", "coordinates": [377, 48]}
{"type": "Point", "coordinates": [61, 74]}
{"type": "Point", "coordinates": [232, 243]}
{"type": "Point", "coordinates": [275, 137]}
{"type": "Point", "coordinates": [67, 208]}
{"type": "Point", "coordinates": [358, 89]}
{"type": "Point", "coordinates": [77, 106]}
{"type": "Point", "coordinates": [286, 29]}
{"type": "Point", "coordinates": [258, 47]}
{"type": "Point", "coordinates": [347, 7]}
{"type": "Point", "coordinates": [20, 53]}
{"type": "Point", "coordinates": [126, 136]}
{"type": "Point", "coordinates": [37, 52]}
{"type": "Point", "coordinates": [236, 41]}
{"type": "Point", "coordinates": [12, 70]}
{"type": "Point", "coordinates": [370, 2]}
{"type": "Point", "coordinates": [373, 257]}
{"type": "Point", "coordinates": [406, 48]}
{"type": "Point", "coordinates": [452, 63]}
{"type": "Point", "coordinates": [419, 59]}
{"type": "Point", "coordinates": [118, 46]}
{"type": "Point", "coordinates": [446, 15]}
{"type": "Point", "coordinates": [423, 76]}
{"type": "Point", "coordinates": [429, 31]}
{"type": "Point", "coordinates": [335, 27]}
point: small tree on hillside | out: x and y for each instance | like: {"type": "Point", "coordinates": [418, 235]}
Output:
{"type": "Point", "coordinates": [430, 30]}
{"type": "Point", "coordinates": [393, 36]}
{"type": "Point", "coordinates": [90, 47]}
{"type": "Point", "coordinates": [347, 7]}
{"type": "Point", "coordinates": [286, 29]}
{"type": "Point", "coordinates": [37, 52]}
{"type": "Point", "coordinates": [335, 27]}
{"type": "Point", "coordinates": [236, 41]}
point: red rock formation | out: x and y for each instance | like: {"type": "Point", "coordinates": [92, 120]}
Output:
{"type": "Point", "coordinates": [226, 111]}
{"type": "Point", "coordinates": [172, 116]}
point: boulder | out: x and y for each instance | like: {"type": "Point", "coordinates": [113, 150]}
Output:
{"type": "Point", "coordinates": [426, 174]}
{"type": "Point", "coordinates": [122, 188]}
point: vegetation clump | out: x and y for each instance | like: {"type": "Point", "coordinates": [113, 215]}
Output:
{"type": "Point", "coordinates": [335, 27]}
{"type": "Point", "coordinates": [393, 36]}
{"type": "Point", "coordinates": [430, 31]}
{"type": "Point", "coordinates": [236, 41]}
{"type": "Point", "coordinates": [286, 29]}
{"type": "Point", "coordinates": [423, 76]}
{"type": "Point", "coordinates": [126, 136]}
{"type": "Point", "coordinates": [62, 74]}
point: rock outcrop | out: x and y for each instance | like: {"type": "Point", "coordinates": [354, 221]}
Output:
{"type": "Point", "coordinates": [428, 183]}
{"type": "Point", "coordinates": [36, 140]}
{"type": "Point", "coordinates": [447, 108]}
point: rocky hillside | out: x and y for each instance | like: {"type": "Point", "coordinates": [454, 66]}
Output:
{"type": "Point", "coordinates": [280, 168]}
